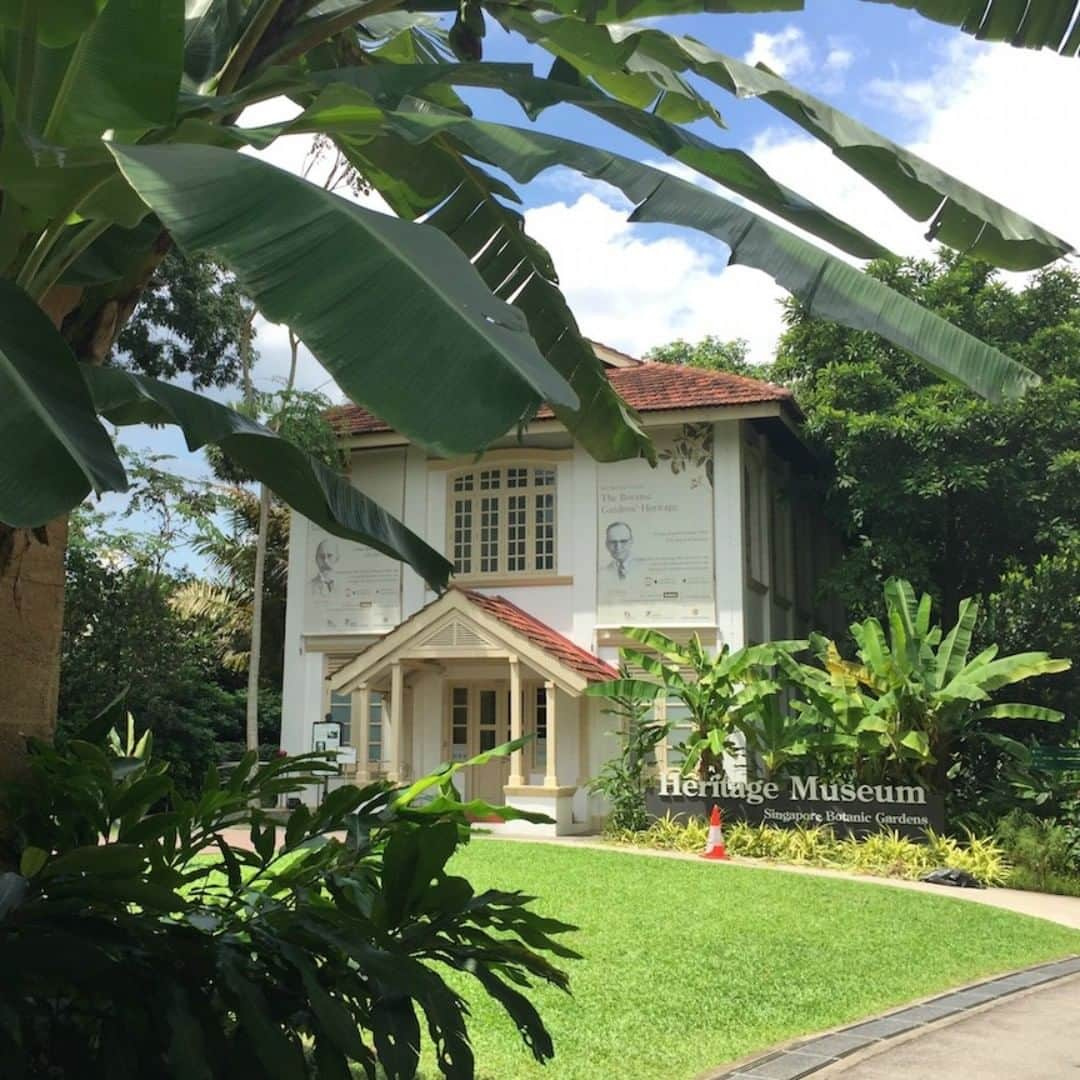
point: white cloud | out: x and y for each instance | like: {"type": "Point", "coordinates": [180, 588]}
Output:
{"type": "Point", "coordinates": [984, 117]}
{"type": "Point", "coordinates": [793, 55]}
{"type": "Point", "coordinates": [839, 58]}
{"type": "Point", "coordinates": [786, 52]}
{"type": "Point", "coordinates": [1002, 130]}
{"type": "Point", "coordinates": [633, 289]}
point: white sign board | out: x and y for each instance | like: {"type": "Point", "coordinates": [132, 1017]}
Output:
{"type": "Point", "coordinates": [655, 526]}
{"type": "Point", "coordinates": [326, 735]}
{"type": "Point", "coordinates": [350, 588]}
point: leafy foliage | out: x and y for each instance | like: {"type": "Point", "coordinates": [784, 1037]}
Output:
{"type": "Point", "coordinates": [723, 694]}
{"type": "Point", "coordinates": [145, 941]}
{"type": "Point", "coordinates": [885, 854]}
{"type": "Point", "coordinates": [1042, 602]}
{"type": "Point", "coordinates": [1045, 853]}
{"type": "Point", "coordinates": [623, 780]}
{"type": "Point", "coordinates": [89, 221]}
{"type": "Point", "coordinates": [710, 354]}
{"type": "Point", "coordinates": [958, 495]}
{"type": "Point", "coordinates": [121, 628]}
{"type": "Point", "coordinates": [914, 700]}
{"type": "Point", "coordinates": [225, 602]}
{"type": "Point", "coordinates": [192, 319]}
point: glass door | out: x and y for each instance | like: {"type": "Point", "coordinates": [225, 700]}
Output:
{"type": "Point", "coordinates": [492, 719]}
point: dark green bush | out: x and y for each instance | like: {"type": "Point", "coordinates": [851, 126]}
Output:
{"type": "Point", "coordinates": [139, 940]}
{"type": "Point", "coordinates": [1044, 853]}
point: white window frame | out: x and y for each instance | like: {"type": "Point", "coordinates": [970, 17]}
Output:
{"type": "Point", "coordinates": [333, 700]}
{"type": "Point", "coordinates": [480, 493]}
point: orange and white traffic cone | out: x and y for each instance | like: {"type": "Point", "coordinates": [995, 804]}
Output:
{"type": "Point", "coordinates": [714, 846]}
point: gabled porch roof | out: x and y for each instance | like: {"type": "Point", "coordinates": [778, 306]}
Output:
{"type": "Point", "coordinates": [464, 624]}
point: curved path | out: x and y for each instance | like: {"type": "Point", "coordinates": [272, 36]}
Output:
{"type": "Point", "coordinates": [1060, 909]}
{"type": "Point", "coordinates": [1030, 1036]}
{"type": "Point", "coordinates": [1012, 1027]}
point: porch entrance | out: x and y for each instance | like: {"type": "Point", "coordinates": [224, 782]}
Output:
{"type": "Point", "coordinates": [479, 721]}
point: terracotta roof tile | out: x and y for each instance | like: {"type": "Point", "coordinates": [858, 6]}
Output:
{"type": "Point", "coordinates": [648, 387]}
{"type": "Point", "coordinates": [543, 636]}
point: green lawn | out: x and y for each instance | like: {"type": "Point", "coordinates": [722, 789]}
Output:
{"type": "Point", "coordinates": [689, 965]}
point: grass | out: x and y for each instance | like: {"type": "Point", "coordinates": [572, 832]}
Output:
{"type": "Point", "coordinates": [690, 965]}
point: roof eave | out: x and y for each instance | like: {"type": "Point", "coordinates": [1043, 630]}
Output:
{"type": "Point", "coordinates": [692, 414]}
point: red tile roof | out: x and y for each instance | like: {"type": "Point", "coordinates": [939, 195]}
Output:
{"type": "Point", "coordinates": [647, 387]}
{"type": "Point", "coordinates": [543, 636]}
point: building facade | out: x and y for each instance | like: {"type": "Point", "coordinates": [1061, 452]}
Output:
{"type": "Point", "coordinates": [554, 555]}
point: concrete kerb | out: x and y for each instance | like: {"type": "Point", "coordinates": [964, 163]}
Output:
{"type": "Point", "coordinates": [832, 1052]}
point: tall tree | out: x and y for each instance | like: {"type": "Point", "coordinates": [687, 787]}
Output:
{"type": "Point", "coordinates": [225, 598]}
{"type": "Point", "coordinates": [929, 482]}
{"type": "Point", "coordinates": [123, 629]}
{"type": "Point", "coordinates": [463, 335]}
{"type": "Point", "coordinates": [193, 319]}
{"type": "Point", "coordinates": [711, 353]}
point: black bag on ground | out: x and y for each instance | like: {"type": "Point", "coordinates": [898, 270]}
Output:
{"type": "Point", "coordinates": [961, 879]}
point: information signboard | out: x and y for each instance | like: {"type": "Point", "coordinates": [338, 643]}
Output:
{"type": "Point", "coordinates": [847, 807]}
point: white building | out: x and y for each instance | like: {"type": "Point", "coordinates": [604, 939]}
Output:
{"type": "Point", "coordinates": [554, 554]}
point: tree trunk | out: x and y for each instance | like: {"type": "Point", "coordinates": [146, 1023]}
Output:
{"type": "Point", "coordinates": [31, 621]}
{"type": "Point", "coordinates": [257, 620]}
{"type": "Point", "coordinates": [31, 614]}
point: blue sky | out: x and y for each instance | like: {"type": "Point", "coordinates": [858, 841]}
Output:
{"type": "Point", "coordinates": [989, 114]}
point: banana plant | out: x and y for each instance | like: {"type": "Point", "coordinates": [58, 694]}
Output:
{"type": "Point", "coordinates": [777, 735]}
{"type": "Point", "coordinates": [121, 137]}
{"type": "Point", "coordinates": [723, 693]}
{"type": "Point", "coordinates": [914, 696]}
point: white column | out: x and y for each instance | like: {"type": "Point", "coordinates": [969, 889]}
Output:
{"type": "Point", "coordinates": [550, 773]}
{"type": "Point", "coordinates": [729, 533]}
{"type": "Point", "coordinates": [361, 729]}
{"type": "Point", "coordinates": [397, 722]}
{"type": "Point", "coordinates": [415, 515]}
{"type": "Point", "coordinates": [516, 777]}
{"type": "Point", "coordinates": [583, 776]}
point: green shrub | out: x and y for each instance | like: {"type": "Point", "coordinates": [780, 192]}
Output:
{"type": "Point", "coordinates": [129, 951]}
{"type": "Point", "coordinates": [1020, 877]}
{"type": "Point", "coordinates": [624, 779]}
{"type": "Point", "coordinates": [1045, 853]}
{"type": "Point", "coordinates": [885, 854]}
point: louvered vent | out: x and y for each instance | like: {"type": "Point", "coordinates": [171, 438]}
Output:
{"type": "Point", "coordinates": [466, 635]}
{"type": "Point", "coordinates": [455, 634]}
{"type": "Point", "coordinates": [443, 638]}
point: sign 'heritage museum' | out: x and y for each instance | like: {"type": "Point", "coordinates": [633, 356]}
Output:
{"type": "Point", "coordinates": [849, 809]}
{"type": "Point", "coordinates": [554, 553]}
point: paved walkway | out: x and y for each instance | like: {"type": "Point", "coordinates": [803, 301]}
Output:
{"type": "Point", "coordinates": [1013, 1027]}
{"type": "Point", "coordinates": [1032, 1037]}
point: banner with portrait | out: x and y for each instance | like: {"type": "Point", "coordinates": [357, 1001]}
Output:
{"type": "Point", "coordinates": [349, 588]}
{"type": "Point", "coordinates": [656, 547]}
